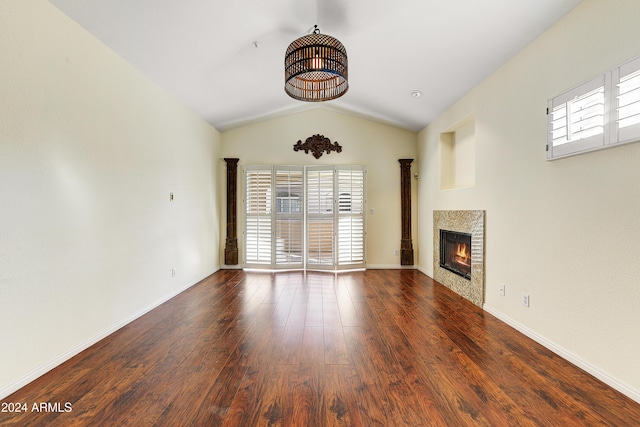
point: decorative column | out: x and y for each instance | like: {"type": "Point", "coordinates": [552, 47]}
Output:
{"type": "Point", "coordinates": [231, 246]}
{"type": "Point", "coordinates": [406, 245]}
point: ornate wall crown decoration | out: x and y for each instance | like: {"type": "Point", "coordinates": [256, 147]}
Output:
{"type": "Point", "coordinates": [317, 144]}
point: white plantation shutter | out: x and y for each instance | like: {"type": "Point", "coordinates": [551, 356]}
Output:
{"type": "Point", "coordinates": [320, 217]}
{"type": "Point", "coordinates": [626, 120]}
{"type": "Point", "coordinates": [320, 243]}
{"type": "Point", "coordinates": [289, 211]}
{"type": "Point", "coordinates": [577, 119]}
{"type": "Point", "coordinates": [258, 223]}
{"type": "Point", "coordinates": [335, 216]}
{"type": "Point", "coordinates": [297, 217]}
{"type": "Point", "coordinates": [350, 237]}
{"type": "Point", "coordinates": [258, 240]}
{"type": "Point", "coordinates": [600, 113]}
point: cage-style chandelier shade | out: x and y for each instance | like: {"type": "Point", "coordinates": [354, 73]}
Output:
{"type": "Point", "coordinates": [315, 68]}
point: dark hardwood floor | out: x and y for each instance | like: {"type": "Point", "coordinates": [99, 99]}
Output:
{"type": "Point", "coordinates": [375, 348]}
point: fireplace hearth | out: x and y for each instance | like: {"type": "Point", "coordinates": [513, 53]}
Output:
{"type": "Point", "coordinates": [455, 252]}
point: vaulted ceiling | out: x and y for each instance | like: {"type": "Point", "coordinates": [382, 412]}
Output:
{"type": "Point", "coordinates": [224, 59]}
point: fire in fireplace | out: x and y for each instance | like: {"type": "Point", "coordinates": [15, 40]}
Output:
{"type": "Point", "coordinates": [455, 252]}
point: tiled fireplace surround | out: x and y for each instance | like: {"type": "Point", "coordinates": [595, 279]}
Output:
{"type": "Point", "coordinates": [471, 222]}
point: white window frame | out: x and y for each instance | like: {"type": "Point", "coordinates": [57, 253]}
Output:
{"type": "Point", "coordinates": [590, 117]}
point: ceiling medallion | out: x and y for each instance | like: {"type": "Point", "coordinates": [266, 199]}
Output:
{"type": "Point", "coordinates": [315, 68]}
{"type": "Point", "coordinates": [317, 144]}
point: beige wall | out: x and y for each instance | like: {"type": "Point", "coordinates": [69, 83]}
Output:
{"type": "Point", "coordinates": [89, 152]}
{"type": "Point", "coordinates": [375, 145]}
{"type": "Point", "coordinates": [566, 232]}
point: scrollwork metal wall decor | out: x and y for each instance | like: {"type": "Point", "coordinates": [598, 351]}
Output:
{"type": "Point", "coordinates": [317, 144]}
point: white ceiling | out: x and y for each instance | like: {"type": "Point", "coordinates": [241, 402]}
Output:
{"type": "Point", "coordinates": [203, 51]}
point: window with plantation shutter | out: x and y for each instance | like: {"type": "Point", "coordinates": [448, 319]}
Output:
{"type": "Point", "coordinates": [626, 81]}
{"type": "Point", "coordinates": [274, 217]}
{"type": "Point", "coordinates": [350, 216]}
{"type": "Point", "coordinates": [600, 113]}
{"type": "Point", "coordinates": [577, 119]}
{"type": "Point", "coordinates": [335, 216]}
{"type": "Point", "coordinates": [289, 217]}
{"type": "Point", "coordinates": [320, 217]}
{"type": "Point", "coordinates": [299, 217]}
{"type": "Point", "coordinates": [258, 223]}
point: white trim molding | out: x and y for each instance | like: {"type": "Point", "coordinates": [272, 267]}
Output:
{"type": "Point", "coordinates": [390, 267]}
{"type": "Point", "coordinates": [61, 358]}
{"type": "Point", "coordinates": [567, 355]}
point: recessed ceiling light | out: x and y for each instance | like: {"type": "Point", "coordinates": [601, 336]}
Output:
{"type": "Point", "coordinates": [416, 93]}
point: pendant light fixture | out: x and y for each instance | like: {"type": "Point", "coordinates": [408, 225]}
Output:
{"type": "Point", "coordinates": [315, 68]}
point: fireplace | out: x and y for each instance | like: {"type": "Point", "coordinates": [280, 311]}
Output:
{"type": "Point", "coordinates": [458, 252]}
{"type": "Point", "coordinates": [455, 252]}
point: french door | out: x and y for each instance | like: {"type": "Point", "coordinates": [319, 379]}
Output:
{"type": "Point", "coordinates": [304, 217]}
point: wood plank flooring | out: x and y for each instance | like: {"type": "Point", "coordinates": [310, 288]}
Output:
{"type": "Point", "coordinates": [375, 348]}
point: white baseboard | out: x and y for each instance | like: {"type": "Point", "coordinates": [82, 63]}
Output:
{"type": "Point", "coordinates": [560, 351]}
{"type": "Point", "coordinates": [367, 266]}
{"type": "Point", "coordinates": [41, 370]}
{"type": "Point", "coordinates": [567, 355]}
{"type": "Point", "coordinates": [423, 271]}
{"type": "Point", "coordinates": [390, 267]}
{"type": "Point", "coordinates": [60, 359]}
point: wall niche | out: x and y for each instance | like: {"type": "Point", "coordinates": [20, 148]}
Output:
{"type": "Point", "coordinates": [458, 156]}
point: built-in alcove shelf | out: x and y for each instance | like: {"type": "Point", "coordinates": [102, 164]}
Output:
{"type": "Point", "coordinates": [458, 156]}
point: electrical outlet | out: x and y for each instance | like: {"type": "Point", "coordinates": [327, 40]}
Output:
{"type": "Point", "coordinates": [173, 272]}
{"type": "Point", "coordinates": [395, 252]}
{"type": "Point", "coordinates": [502, 290]}
{"type": "Point", "coordinates": [525, 300]}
